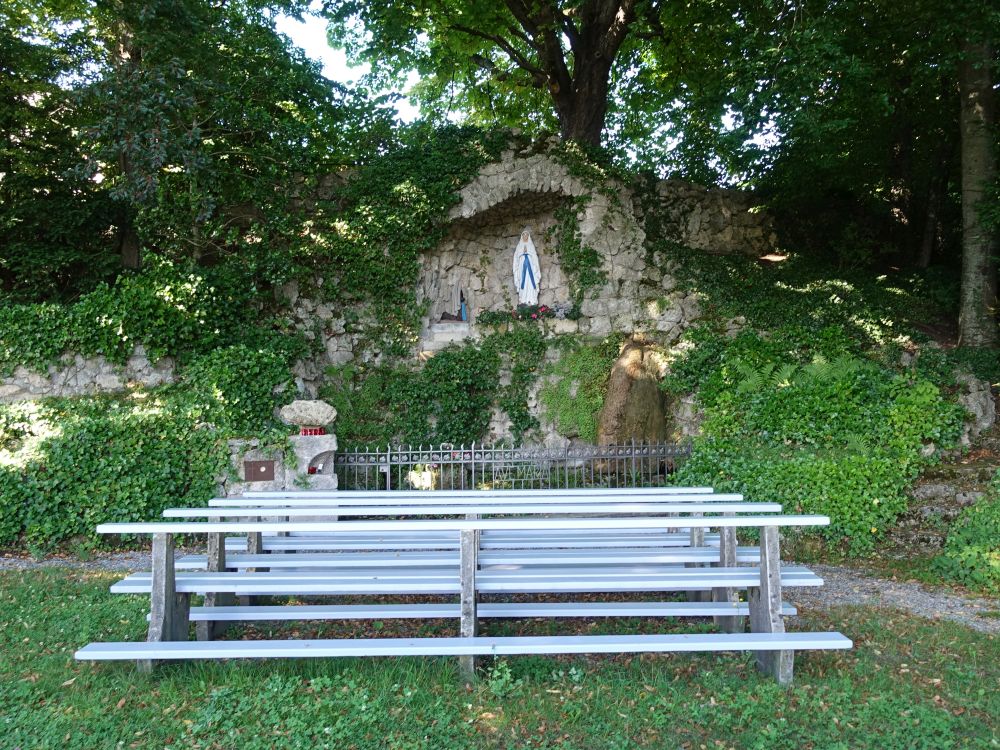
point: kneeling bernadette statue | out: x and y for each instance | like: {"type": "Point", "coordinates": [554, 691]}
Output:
{"type": "Point", "coordinates": [527, 273]}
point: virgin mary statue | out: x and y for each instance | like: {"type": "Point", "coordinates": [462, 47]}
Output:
{"type": "Point", "coordinates": [527, 274]}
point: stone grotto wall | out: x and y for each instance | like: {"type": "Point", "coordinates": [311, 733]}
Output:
{"type": "Point", "coordinates": [75, 375]}
{"type": "Point", "coordinates": [713, 219]}
{"type": "Point", "coordinates": [524, 190]}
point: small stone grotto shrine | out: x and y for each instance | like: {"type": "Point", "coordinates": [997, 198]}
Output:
{"type": "Point", "coordinates": [520, 229]}
{"type": "Point", "coordinates": [471, 270]}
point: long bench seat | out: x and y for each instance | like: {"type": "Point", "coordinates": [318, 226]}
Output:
{"type": "Point", "coordinates": [462, 524]}
{"type": "Point", "coordinates": [600, 493]}
{"type": "Point", "coordinates": [419, 581]}
{"type": "Point", "coordinates": [482, 509]}
{"type": "Point", "coordinates": [447, 610]}
{"type": "Point", "coordinates": [466, 646]}
{"type": "Point", "coordinates": [487, 558]}
{"type": "Point", "coordinates": [593, 539]}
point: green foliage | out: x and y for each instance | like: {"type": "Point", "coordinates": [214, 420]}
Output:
{"type": "Point", "coordinates": [807, 302]}
{"type": "Point", "coordinates": [236, 386]}
{"type": "Point", "coordinates": [208, 130]}
{"type": "Point", "coordinates": [449, 400]}
{"type": "Point", "coordinates": [54, 242]}
{"type": "Point", "coordinates": [575, 386]}
{"type": "Point", "coordinates": [522, 349]}
{"type": "Point", "coordinates": [972, 551]}
{"type": "Point", "coordinates": [168, 308]}
{"type": "Point", "coordinates": [580, 263]}
{"type": "Point", "coordinates": [842, 437]}
{"type": "Point", "coordinates": [68, 464]}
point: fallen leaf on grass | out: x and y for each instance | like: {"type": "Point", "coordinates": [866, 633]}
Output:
{"type": "Point", "coordinates": [69, 682]}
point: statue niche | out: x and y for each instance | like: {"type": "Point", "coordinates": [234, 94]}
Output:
{"type": "Point", "coordinates": [459, 304]}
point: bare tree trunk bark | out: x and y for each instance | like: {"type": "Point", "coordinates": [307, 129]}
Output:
{"type": "Point", "coordinates": [936, 189]}
{"type": "Point", "coordinates": [582, 117]}
{"type": "Point", "coordinates": [977, 312]}
{"type": "Point", "coordinates": [129, 246]}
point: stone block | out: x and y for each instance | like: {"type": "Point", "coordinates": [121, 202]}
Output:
{"type": "Point", "coordinates": [321, 481]}
{"type": "Point", "coordinates": [563, 326]}
{"type": "Point", "coordinates": [108, 382]}
{"type": "Point", "coordinates": [307, 448]}
{"type": "Point", "coordinates": [10, 392]}
{"type": "Point", "coordinates": [308, 414]}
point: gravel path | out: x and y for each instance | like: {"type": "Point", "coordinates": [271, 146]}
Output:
{"type": "Point", "coordinates": [126, 562]}
{"type": "Point", "coordinates": [851, 586]}
{"type": "Point", "coordinates": [841, 586]}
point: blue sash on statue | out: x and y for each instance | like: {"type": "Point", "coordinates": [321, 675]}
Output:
{"type": "Point", "coordinates": [526, 272]}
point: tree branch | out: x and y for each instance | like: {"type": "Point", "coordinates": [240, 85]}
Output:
{"type": "Point", "coordinates": [512, 52]}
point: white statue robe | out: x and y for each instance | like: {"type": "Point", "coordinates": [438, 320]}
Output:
{"type": "Point", "coordinates": [527, 273]}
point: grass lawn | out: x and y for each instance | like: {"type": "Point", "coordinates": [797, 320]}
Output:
{"type": "Point", "coordinates": [909, 683]}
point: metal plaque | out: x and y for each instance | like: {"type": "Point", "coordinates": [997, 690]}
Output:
{"type": "Point", "coordinates": [258, 471]}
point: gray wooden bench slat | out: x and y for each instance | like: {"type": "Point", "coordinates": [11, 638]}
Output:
{"type": "Point", "coordinates": [304, 612]}
{"type": "Point", "coordinates": [551, 492]}
{"type": "Point", "coordinates": [459, 524]}
{"type": "Point", "coordinates": [425, 582]}
{"type": "Point", "coordinates": [479, 645]}
{"type": "Point", "coordinates": [495, 509]}
{"type": "Point", "coordinates": [332, 544]}
{"type": "Point", "coordinates": [486, 558]}
{"type": "Point", "coordinates": [435, 498]}
{"type": "Point", "coordinates": [417, 502]}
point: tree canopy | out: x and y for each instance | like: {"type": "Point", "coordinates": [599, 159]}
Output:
{"type": "Point", "coordinates": [169, 125]}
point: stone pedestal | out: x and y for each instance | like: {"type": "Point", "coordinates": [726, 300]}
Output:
{"type": "Point", "coordinates": [308, 466]}
{"type": "Point", "coordinates": [312, 452]}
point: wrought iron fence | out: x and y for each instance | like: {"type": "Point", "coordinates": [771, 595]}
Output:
{"type": "Point", "coordinates": [446, 466]}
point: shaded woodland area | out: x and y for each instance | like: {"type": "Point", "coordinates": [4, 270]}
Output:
{"type": "Point", "coordinates": [186, 128]}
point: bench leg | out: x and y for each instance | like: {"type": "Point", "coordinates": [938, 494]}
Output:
{"type": "Point", "coordinates": [468, 626]}
{"type": "Point", "coordinates": [255, 546]}
{"type": "Point", "coordinates": [208, 630]}
{"type": "Point", "coordinates": [697, 540]}
{"type": "Point", "coordinates": [765, 608]}
{"type": "Point", "coordinates": [727, 559]}
{"type": "Point", "coordinates": [170, 612]}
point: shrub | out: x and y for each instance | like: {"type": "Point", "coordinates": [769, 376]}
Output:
{"type": "Point", "coordinates": [235, 387]}
{"type": "Point", "coordinates": [972, 551]}
{"type": "Point", "coordinates": [68, 464]}
{"type": "Point", "coordinates": [842, 437]}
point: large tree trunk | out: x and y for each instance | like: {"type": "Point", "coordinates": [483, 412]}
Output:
{"type": "Point", "coordinates": [578, 83]}
{"type": "Point", "coordinates": [634, 407]}
{"type": "Point", "coordinates": [583, 110]}
{"type": "Point", "coordinates": [977, 320]}
{"type": "Point", "coordinates": [128, 245]}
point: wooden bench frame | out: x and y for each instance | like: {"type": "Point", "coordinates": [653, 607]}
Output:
{"type": "Point", "coordinates": [170, 610]}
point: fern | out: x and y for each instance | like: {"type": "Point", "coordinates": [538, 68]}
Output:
{"type": "Point", "coordinates": [817, 370]}
{"type": "Point", "coordinates": [784, 376]}
{"type": "Point", "coordinates": [845, 365]}
{"type": "Point", "coordinates": [856, 443]}
{"type": "Point", "coordinates": [752, 380]}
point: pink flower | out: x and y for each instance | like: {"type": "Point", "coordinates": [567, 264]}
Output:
{"type": "Point", "coordinates": [534, 316]}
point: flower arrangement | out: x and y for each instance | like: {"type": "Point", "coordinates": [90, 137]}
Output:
{"type": "Point", "coordinates": [527, 313]}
